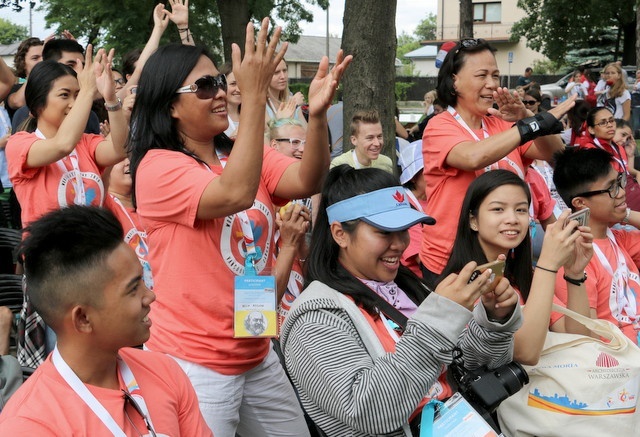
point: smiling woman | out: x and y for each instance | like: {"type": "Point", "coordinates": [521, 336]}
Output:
{"type": "Point", "coordinates": [476, 134]}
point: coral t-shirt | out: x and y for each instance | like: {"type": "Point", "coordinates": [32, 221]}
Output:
{"type": "Point", "coordinates": [195, 261]}
{"type": "Point", "coordinates": [608, 294]}
{"type": "Point", "coordinates": [54, 186]}
{"type": "Point", "coordinates": [542, 203]}
{"type": "Point", "coordinates": [447, 186]}
{"type": "Point", "coordinates": [408, 257]}
{"type": "Point", "coordinates": [46, 405]}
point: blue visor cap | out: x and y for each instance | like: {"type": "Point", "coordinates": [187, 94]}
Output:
{"type": "Point", "coordinates": [387, 209]}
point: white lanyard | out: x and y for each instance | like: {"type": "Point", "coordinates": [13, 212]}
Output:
{"type": "Point", "coordinates": [616, 156]}
{"type": "Point", "coordinates": [245, 223]}
{"type": "Point", "coordinates": [414, 200]}
{"type": "Point", "coordinates": [83, 392]}
{"type": "Point", "coordinates": [485, 133]}
{"type": "Point", "coordinates": [80, 197]}
{"type": "Point", "coordinates": [624, 292]}
{"type": "Point", "coordinates": [5, 123]}
{"type": "Point", "coordinates": [124, 210]}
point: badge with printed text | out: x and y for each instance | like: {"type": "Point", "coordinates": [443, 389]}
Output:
{"type": "Point", "coordinates": [254, 313]}
{"type": "Point", "coordinates": [459, 418]}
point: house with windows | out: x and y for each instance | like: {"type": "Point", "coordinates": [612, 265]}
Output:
{"type": "Point", "coordinates": [492, 20]}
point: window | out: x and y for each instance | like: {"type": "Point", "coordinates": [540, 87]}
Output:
{"type": "Point", "coordinates": [487, 12]}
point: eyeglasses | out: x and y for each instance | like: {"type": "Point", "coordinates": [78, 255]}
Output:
{"type": "Point", "coordinates": [609, 122]}
{"type": "Point", "coordinates": [612, 191]}
{"type": "Point", "coordinates": [296, 143]}
{"type": "Point", "coordinates": [529, 102]}
{"type": "Point", "coordinates": [206, 87]}
{"type": "Point", "coordinates": [129, 399]}
{"type": "Point", "coordinates": [119, 81]}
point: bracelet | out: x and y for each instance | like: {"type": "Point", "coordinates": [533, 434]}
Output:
{"type": "Point", "coordinates": [625, 220]}
{"type": "Point", "coordinates": [186, 29]}
{"type": "Point", "coordinates": [577, 282]}
{"type": "Point", "coordinates": [546, 270]}
{"type": "Point", "coordinates": [539, 125]}
{"type": "Point", "coordinates": [115, 107]}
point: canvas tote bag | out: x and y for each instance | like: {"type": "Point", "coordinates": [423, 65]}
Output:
{"type": "Point", "coordinates": [582, 386]}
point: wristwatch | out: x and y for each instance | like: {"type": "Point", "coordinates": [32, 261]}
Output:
{"type": "Point", "coordinates": [115, 107]}
{"type": "Point", "coordinates": [577, 282]}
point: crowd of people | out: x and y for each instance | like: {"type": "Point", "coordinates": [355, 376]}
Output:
{"type": "Point", "coordinates": [195, 263]}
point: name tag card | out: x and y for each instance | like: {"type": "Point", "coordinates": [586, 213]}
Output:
{"type": "Point", "coordinates": [254, 312]}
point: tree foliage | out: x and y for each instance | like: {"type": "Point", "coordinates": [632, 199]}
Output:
{"type": "Point", "coordinates": [10, 32]}
{"type": "Point", "coordinates": [553, 27]}
{"type": "Point", "coordinates": [125, 24]}
{"type": "Point", "coordinates": [426, 29]}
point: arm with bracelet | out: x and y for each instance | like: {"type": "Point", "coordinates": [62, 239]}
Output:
{"type": "Point", "coordinates": [180, 16]}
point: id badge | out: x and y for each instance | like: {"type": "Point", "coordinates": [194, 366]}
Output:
{"type": "Point", "coordinates": [459, 418]}
{"type": "Point", "coordinates": [254, 312]}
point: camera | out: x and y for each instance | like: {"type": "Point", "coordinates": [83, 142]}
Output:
{"type": "Point", "coordinates": [488, 388]}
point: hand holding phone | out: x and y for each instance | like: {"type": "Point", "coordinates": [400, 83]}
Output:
{"type": "Point", "coordinates": [497, 272]}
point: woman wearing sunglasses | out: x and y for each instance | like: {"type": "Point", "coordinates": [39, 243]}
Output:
{"type": "Point", "coordinates": [472, 137]}
{"type": "Point", "coordinates": [207, 208]}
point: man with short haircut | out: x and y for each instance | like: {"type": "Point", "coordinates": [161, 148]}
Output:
{"type": "Point", "coordinates": [586, 178]}
{"type": "Point", "coordinates": [525, 81]}
{"type": "Point", "coordinates": [366, 138]}
{"type": "Point", "coordinates": [86, 282]}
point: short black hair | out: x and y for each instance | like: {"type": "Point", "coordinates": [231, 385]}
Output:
{"type": "Point", "coordinates": [53, 49]}
{"type": "Point", "coordinates": [577, 168]}
{"type": "Point", "coordinates": [64, 256]}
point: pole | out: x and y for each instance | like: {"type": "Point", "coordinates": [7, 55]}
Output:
{"type": "Point", "coordinates": [328, 33]}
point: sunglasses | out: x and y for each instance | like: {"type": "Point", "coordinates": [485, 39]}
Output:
{"type": "Point", "coordinates": [529, 102]}
{"type": "Point", "coordinates": [128, 399]}
{"type": "Point", "coordinates": [468, 43]}
{"type": "Point", "coordinates": [206, 87]}
{"type": "Point", "coordinates": [612, 191]}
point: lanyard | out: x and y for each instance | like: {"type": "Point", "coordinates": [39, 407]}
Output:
{"type": "Point", "coordinates": [5, 123]}
{"type": "Point", "coordinates": [253, 252]}
{"type": "Point", "coordinates": [616, 156]}
{"type": "Point", "coordinates": [80, 197]}
{"type": "Point", "coordinates": [625, 299]}
{"type": "Point", "coordinates": [494, 166]}
{"type": "Point", "coordinates": [356, 163]}
{"type": "Point", "coordinates": [83, 392]}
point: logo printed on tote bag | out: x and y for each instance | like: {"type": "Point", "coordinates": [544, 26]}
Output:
{"type": "Point", "coordinates": [606, 360]}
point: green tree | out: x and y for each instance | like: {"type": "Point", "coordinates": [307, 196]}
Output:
{"type": "Point", "coordinates": [555, 26]}
{"type": "Point", "coordinates": [426, 29]}
{"type": "Point", "coordinates": [10, 32]}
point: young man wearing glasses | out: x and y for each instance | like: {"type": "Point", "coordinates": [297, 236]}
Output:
{"type": "Point", "coordinates": [87, 285]}
{"type": "Point", "coordinates": [587, 178]}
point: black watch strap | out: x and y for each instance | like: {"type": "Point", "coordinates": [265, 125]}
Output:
{"type": "Point", "coordinates": [577, 282]}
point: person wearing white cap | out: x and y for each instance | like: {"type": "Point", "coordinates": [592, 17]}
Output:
{"type": "Point", "coordinates": [356, 368]}
{"type": "Point", "coordinates": [412, 179]}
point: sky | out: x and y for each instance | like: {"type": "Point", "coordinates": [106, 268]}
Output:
{"type": "Point", "coordinates": [409, 14]}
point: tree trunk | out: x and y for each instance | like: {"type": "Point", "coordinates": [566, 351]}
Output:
{"type": "Point", "coordinates": [629, 43]}
{"type": "Point", "coordinates": [369, 82]}
{"type": "Point", "coordinates": [234, 16]}
{"type": "Point", "coordinates": [466, 19]}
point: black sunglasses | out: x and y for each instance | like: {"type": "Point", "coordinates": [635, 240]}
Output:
{"type": "Point", "coordinates": [529, 102]}
{"type": "Point", "coordinates": [131, 401]}
{"type": "Point", "coordinates": [468, 43]}
{"type": "Point", "coordinates": [206, 87]}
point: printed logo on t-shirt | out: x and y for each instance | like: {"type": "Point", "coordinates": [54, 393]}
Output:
{"type": "Point", "coordinates": [232, 241]}
{"type": "Point", "coordinates": [137, 240]}
{"type": "Point", "coordinates": [93, 189]}
{"type": "Point", "coordinates": [623, 299]}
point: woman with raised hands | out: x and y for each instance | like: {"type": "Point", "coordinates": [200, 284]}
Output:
{"type": "Point", "coordinates": [206, 204]}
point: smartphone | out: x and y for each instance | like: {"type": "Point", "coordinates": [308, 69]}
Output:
{"type": "Point", "coordinates": [497, 272]}
{"type": "Point", "coordinates": [581, 216]}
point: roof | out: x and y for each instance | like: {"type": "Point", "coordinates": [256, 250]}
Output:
{"type": "Point", "coordinates": [422, 52]}
{"type": "Point", "coordinates": [9, 49]}
{"type": "Point", "coordinates": [312, 49]}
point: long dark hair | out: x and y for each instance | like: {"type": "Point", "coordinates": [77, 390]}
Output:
{"type": "Point", "coordinates": [344, 182]}
{"type": "Point", "coordinates": [36, 92]}
{"type": "Point", "coordinates": [152, 126]}
{"type": "Point", "coordinates": [452, 64]}
{"type": "Point", "coordinates": [466, 246]}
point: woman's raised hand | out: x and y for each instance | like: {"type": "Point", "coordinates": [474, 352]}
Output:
{"type": "Point", "coordinates": [104, 76]}
{"type": "Point", "coordinates": [325, 83]}
{"type": "Point", "coordinates": [86, 73]}
{"type": "Point", "coordinates": [510, 106]}
{"type": "Point", "coordinates": [254, 71]}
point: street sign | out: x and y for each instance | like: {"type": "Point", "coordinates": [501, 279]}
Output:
{"type": "Point", "coordinates": [510, 57]}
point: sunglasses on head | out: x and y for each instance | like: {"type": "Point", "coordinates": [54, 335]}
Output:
{"type": "Point", "coordinates": [206, 87]}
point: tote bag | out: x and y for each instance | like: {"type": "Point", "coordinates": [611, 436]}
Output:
{"type": "Point", "coordinates": [582, 386]}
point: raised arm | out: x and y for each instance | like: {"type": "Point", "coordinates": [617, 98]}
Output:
{"type": "Point", "coordinates": [7, 79]}
{"type": "Point", "coordinates": [179, 14]}
{"type": "Point", "coordinates": [304, 178]}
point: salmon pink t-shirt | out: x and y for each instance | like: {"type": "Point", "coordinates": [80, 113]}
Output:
{"type": "Point", "coordinates": [447, 186]}
{"type": "Point", "coordinates": [44, 189]}
{"type": "Point", "coordinates": [195, 261]}
{"type": "Point", "coordinates": [46, 405]}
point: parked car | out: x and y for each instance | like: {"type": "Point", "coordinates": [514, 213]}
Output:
{"type": "Point", "coordinates": [555, 90]}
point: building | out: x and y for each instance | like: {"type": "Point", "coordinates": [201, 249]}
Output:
{"type": "Point", "coordinates": [424, 60]}
{"type": "Point", "coordinates": [8, 51]}
{"type": "Point", "coordinates": [492, 20]}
